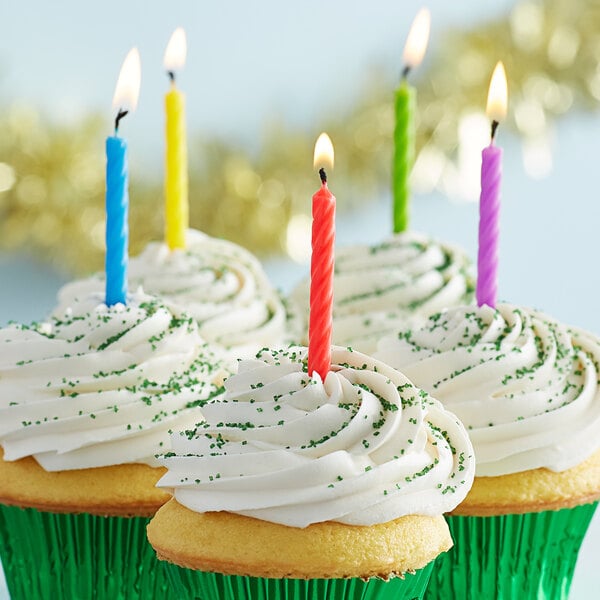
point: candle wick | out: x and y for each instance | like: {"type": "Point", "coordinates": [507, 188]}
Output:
{"type": "Point", "coordinates": [323, 175]}
{"type": "Point", "coordinates": [119, 116]}
{"type": "Point", "coordinates": [171, 75]}
{"type": "Point", "coordinates": [406, 71]}
{"type": "Point", "coordinates": [494, 128]}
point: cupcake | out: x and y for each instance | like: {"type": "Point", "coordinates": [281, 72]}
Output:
{"type": "Point", "coordinates": [294, 487]}
{"type": "Point", "coordinates": [220, 284]}
{"type": "Point", "coordinates": [86, 402]}
{"type": "Point", "coordinates": [526, 388]}
{"type": "Point", "coordinates": [397, 283]}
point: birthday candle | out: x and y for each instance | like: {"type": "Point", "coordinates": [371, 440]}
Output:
{"type": "Point", "coordinates": [176, 162]}
{"type": "Point", "coordinates": [489, 201]}
{"type": "Point", "coordinates": [404, 130]}
{"type": "Point", "coordinates": [321, 266]}
{"type": "Point", "coordinates": [117, 179]}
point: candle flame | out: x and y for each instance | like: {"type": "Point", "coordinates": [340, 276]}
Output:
{"type": "Point", "coordinates": [497, 95]}
{"type": "Point", "coordinates": [176, 51]}
{"type": "Point", "coordinates": [128, 85]}
{"type": "Point", "coordinates": [418, 37]}
{"type": "Point", "coordinates": [323, 152]}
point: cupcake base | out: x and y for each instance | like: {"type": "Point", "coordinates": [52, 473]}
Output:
{"type": "Point", "coordinates": [190, 584]}
{"type": "Point", "coordinates": [509, 557]}
{"type": "Point", "coordinates": [223, 542]}
{"type": "Point", "coordinates": [78, 556]}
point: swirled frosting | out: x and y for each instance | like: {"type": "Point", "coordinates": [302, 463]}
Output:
{"type": "Point", "coordinates": [524, 385]}
{"type": "Point", "coordinates": [220, 284]}
{"type": "Point", "coordinates": [363, 447]}
{"type": "Point", "coordinates": [102, 386]}
{"type": "Point", "coordinates": [399, 282]}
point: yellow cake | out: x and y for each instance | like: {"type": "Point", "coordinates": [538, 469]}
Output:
{"type": "Point", "coordinates": [533, 490]}
{"type": "Point", "coordinates": [228, 543]}
{"type": "Point", "coordinates": [527, 388]}
{"type": "Point", "coordinates": [117, 490]}
{"type": "Point", "coordinates": [86, 402]}
{"type": "Point", "coordinates": [289, 477]}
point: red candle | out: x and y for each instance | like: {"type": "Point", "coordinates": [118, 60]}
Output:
{"type": "Point", "coordinates": [321, 266]}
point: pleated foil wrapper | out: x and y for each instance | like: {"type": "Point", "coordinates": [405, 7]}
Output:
{"type": "Point", "coordinates": [78, 557]}
{"type": "Point", "coordinates": [511, 557]}
{"type": "Point", "coordinates": [189, 584]}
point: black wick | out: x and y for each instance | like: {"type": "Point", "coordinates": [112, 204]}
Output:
{"type": "Point", "coordinates": [323, 175]}
{"type": "Point", "coordinates": [119, 116]}
{"type": "Point", "coordinates": [171, 75]}
{"type": "Point", "coordinates": [406, 71]}
{"type": "Point", "coordinates": [494, 128]}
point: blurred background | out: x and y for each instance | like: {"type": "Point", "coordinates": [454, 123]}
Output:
{"type": "Point", "coordinates": [262, 80]}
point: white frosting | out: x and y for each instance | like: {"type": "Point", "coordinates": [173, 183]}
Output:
{"type": "Point", "coordinates": [364, 447]}
{"type": "Point", "coordinates": [397, 283]}
{"type": "Point", "coordinates": [220, 284]}
{"type": "Point", "coordinates": [524, 385]}
{"type": "Point", "coordinates": [102, 386]}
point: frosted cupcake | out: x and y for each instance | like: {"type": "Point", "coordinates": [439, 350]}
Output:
{"type": "Point", "coordinates": [220, 284]}
{"type": "Point", "coordinates": [86, 401]}
{"type": "Point", "coordinates": [526, 388]}
{"type": "Point", "coordinates": [292, 487]}
{"type": "Point", "coordinates": [397, 283]}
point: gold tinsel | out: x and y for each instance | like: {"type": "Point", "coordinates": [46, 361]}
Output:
{"type": "Point", "coordinates": [52, 191]}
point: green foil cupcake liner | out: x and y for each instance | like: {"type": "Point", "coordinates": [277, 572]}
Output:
{"type": "Point", "coordinates": [511, 557]}
{"type": "Point", "coordinates": [78, 557]}
{"type": "Point", "coordinates": [188, 584]}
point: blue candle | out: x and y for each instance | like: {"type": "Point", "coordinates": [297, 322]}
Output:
{"type": "Point", "coordinates": [117, 227]}
{"type": "Point", "coordinates": [117, 182]}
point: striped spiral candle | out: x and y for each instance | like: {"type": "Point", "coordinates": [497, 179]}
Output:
{"type": "Point", "coordinates": [489, 227]}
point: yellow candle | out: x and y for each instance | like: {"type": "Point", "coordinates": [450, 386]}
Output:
{"type": "Point", "coordinates": [176, 163]}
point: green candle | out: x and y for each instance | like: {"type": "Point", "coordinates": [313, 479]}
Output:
{"type": "Point", "coordinates": [404, 131]}
{"type": "Point", "coordinates": [404, 152]}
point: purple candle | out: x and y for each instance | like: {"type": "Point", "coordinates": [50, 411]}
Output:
{"type": "Point", "coordinates": [489, 200]}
